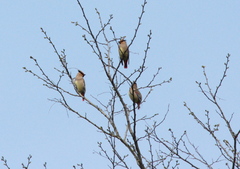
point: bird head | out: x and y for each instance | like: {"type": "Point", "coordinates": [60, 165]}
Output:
{"type": "Point", "coordinates": [121, 41]}
{"type": "Point", "coordinates": [134, 84]}
{"type": "Point", "coordinates": [79, 71]}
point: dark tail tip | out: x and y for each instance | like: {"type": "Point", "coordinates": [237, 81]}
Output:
{"type": "Point", "coordinates": [83, 96]}
{"type": "Point", "coordinates": [125, 65]}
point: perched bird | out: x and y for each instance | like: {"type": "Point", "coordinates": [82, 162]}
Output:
{"type": "Point", "coordinates": [123, 52]}
{"type": "Point", "coordinates": [135, 95]}
{"type": "Point", "coordinates": [80, 83]}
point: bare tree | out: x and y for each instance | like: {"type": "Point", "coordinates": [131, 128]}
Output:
{"type": "Point", "coordinates": [161, 151]}
{"type": "Point", "coordinates": [112, 131]}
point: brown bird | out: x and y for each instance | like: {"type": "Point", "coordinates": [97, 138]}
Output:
{"type": "Point", "coordinates": [123, 52]}
{"type": "Point", "coordinates": [80, 83]}
{"type": "Point", "coordinates": [135, 95]}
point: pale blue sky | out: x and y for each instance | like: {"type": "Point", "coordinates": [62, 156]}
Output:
{"type": "Point", "coordinates": [186, 35]}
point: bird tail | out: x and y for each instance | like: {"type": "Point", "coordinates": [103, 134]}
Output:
{"type": "Point", "coordinates": [125, 64]}
{"type": "Point", "coordinates": [83, 96]}
{"type": "Point", "coordinates": [139, 105]}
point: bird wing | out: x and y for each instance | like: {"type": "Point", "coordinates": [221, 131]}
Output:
{"type": "Point", "coordinates": [139, 95]}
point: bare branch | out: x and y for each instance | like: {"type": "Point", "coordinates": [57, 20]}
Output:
{"type": "Point", "coordinates": [28, 163]}
{"type": "Point", "coordinates": [5, 162]}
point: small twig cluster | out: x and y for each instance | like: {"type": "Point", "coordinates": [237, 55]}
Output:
{"type": "Point", "coordinates": [228, 149]}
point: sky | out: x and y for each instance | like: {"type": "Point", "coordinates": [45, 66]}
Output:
{"type": "Point", "coordinates": [185, 35]}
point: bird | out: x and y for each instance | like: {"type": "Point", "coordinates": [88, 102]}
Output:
{"type": "Point", "coordinates": [79, 83]}
{"type": "Point", "coordinates": [123, 52]}
{"type": "Point", "coordinates": [135, 95]}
